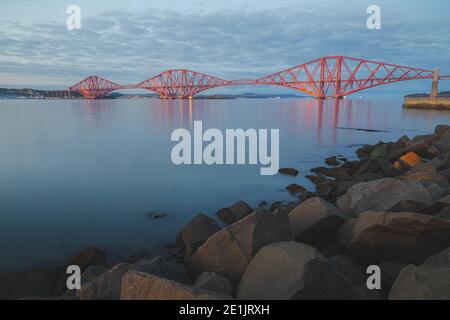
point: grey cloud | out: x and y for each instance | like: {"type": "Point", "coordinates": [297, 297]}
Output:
{"type": "Point", "coordinates": [130, 46]}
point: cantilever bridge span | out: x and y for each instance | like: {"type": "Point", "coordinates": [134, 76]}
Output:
{"type": "Point", "coordinates": [333, 76]}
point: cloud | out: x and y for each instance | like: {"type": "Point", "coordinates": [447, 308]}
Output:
{"type": "Point", "coordinates": [129, 47]}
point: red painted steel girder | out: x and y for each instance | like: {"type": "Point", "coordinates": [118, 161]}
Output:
{"type": "Point", "coordinates": [333, 76]}
{"type": "Point", "coordinates": [181, 83]}
{"type": "Point", "coordinates": [338, 76]}
{"type": "Point", "coordinates": [93, 87]}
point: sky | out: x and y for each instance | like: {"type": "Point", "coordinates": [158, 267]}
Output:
{"type": "Point", "coordinates": [130, 41]}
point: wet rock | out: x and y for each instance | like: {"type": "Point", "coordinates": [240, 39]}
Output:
{"type": "Point", "coordinates": [332, 161]}
{"type": "Point", "coordinates": [426, 174]}
{"type": "Point", "coordinates": [211, 281]}
{"type": "Point", "coordinates": [295, 188]}
{"type": "Point", "coordinates": [385, 195]}
{"type": "Point", "coordinates": [315, 221]}
{"type": "Point", "coordinates": [162, 267]}
{"type": "Point", "coordinates": [107, 286]}
{"type": "Point", "coordinates": [41, 282]}
{"type": "Point", "coordinates": [229, 251]}
{"type": "Point", "coordinates": [195, 233]}
{"type": "Point", "coordinates": [376, 165]}
{"type": "Point", "coordinates": [424, 282]}
{"type": "Point", "coordinates": [338, 173]}
{"type": "Point", "coordinates": [365, 151]}
{"type": "Point", "coordinates": [441, 130]}
{"type": "Point", "coordinates": [317, 179]}
{"type": "Point", "coordinates": [234, 213]}
{"type": "Point", "coordinates": [420, 144]}
{"type": "Point", "coordinates": [291, 270]}
{"type": "Point", "coordinates": [143, 286]}
{"type": "Point", "coordinates": [289, 172]}
{"type": "Point", "coordinates": [275, 205]}
{"type": "Point", "coordinates": [403, 237]}
{"type": "Point", "coordinates": [91, 273]}
{"type": "Point", "coordinates": [89, 257]}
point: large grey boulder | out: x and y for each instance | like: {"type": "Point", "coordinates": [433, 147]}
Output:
{"type": "Point", "coordinates": [315, 221]}
{"type": "Point", "coordinates": [426, 174]}
{"type": "Point", "coordinates": [107, 286]}
{"type": "Point", "coordinates": [229, 251]}
{"type": "Point", "coordinates": [41, 282]}
{"type": "Point", "coordinates": [195, 233]}
{"type": "Point", "coordinates": [403, 237]}
{"type": "Point", "coordinates": [385, 195]}
{"type": "Point", "coordinates": [425, 282]}
{"type": "Point", "coordinates": [214, 282]}
{"type": "Point", "coordinates": [144, 286]}
{"type": "Point", "coordinates": [162, 267]}
{"type": "Point", "coordinates": [292, 270]}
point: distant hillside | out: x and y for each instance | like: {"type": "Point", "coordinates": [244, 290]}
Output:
{"type": "Point", "coordinates": [444, 94]}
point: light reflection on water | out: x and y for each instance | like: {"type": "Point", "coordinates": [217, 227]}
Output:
{"type": "Point", "coordinates": [82, 173]}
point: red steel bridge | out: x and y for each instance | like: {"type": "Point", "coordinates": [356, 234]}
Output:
{"type": "Point", "coordinates": [333, 76]}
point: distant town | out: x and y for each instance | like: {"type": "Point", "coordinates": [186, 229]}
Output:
{"type": "Point", "coordinates": [27, 93]}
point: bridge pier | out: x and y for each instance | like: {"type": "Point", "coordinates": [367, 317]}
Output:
{"type": "Point", "coordinates": [435, 84]}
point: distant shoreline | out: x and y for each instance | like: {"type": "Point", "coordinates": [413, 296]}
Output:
{"type": "Point", "coordinates": [27, 93]}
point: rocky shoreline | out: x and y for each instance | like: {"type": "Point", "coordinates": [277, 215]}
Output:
{"type": "Point", "coordinates": [391, 209]}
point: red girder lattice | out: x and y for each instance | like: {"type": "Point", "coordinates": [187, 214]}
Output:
{"type": "Point", "coordinates": [333, 76]}
{"type": "Point", "coordinates": [93, 87]}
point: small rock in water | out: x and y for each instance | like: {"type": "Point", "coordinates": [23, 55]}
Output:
{"type": "Point", "coordinates": [289, 172]}
{"type": "Point", "coordinates": [295, 188]}
{"type": "Point", "coordinates": [157, 215]}
{"type": "Point", "coordinates": [332, 161]}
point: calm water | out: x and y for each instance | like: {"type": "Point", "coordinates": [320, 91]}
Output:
{"type": "Point", "coordinates": [81, 173]}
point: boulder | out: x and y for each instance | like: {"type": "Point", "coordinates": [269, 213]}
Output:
{"type": "Point", "coordinates": [162, 267]}
{"type": "Point", "coordinates": [211, 281]}
{"type": "Point", "coordinates": [440, 130]}
{"type": "Point", "coordinates": [403, 237]}
{"type": "Point", "coordinates": [348, 268]}
{"type": "Point", "coordinates": [332, 161]}
{"type": "Point", "coordinates": [389, 273]}
{"type": "Point", "coordinates": [426, 174]}
{"type": "Point", "coordinates": [441, 259]}
{"type": "Point", "coordinates": [425, 282]}
{"type": "Point", "coordinates": [345, 232]}
{"type": "Point", "coordinates": [195, 233]}
{"type": "Point", "coordinates": [107, 286]}
{"type": "Point", "coordinates": [229, 251]}
{"type": "Point", "coordinates": [289, 172]}
{"type": "Point", "coordinates": [41, 282]}
{"type": "Point", "coordinates": [295, 188]}
{"type": "Point", "coordinates": [291, 270]}
{"type": "Point", "coordinates": [89, 257]}
{"type": "Point", "coordinates": [385, 195]}
{"type": "Point", "coordinates": [234, 213]}
{"type": "Point", "coordinates": [144, 286]}
{"type": "Point", "coordinates": [315, 221]}
{"type": "Point", "coordinates": [409, 160]}
{"type": "Point", "coordinates": [91, 273]}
